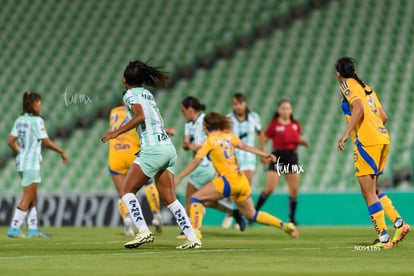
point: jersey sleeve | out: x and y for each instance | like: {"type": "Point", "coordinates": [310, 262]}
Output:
{"type": "Point", "coordinates": [130, 99]}
{"type": "Point", "coordinates": [14, 129]}
{"type": "Point", "coordinates": [257, 122]}
{"type": "Point", "coordinates": [352, 91]}
{"type": "Point", "coordinates": [187, 129]}
{"type": "Point", "coordinates": [204, 150]}
{"type": "Point", "coordinates": [40, 129]}
{"type": "Point", "coordinates": [299, 128]}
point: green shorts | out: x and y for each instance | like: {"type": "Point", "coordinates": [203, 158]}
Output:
{"type": "Point", "coordinates": [29, 177]}
{"type": "Point", "coordinates": [202, 175]}
{"type": "Point", "coordinates": [153, 159]}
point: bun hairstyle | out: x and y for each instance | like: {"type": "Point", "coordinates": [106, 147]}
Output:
{"type": "Point", "coordinates": [216, 121]}
{"type": "Point", "coordinates": [346, 67]}
{"type": "Point", "coordinates": [193, 102]}
{"type": "Point", "coordinates": [138, 73]}
{"type": "Point", "coordinates": [28, 99]}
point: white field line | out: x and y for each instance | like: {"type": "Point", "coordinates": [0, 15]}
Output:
{"type": "Point", "coordinates": [197, 251]}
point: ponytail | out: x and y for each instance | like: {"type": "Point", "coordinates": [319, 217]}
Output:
{"type": "Point", "coordinates": [194, 103]}
{"type": "Point", "coordinates": [346, 67]}
{"type": "Point", "coordinates": [355, 77]}
{"type": "Point", "coordinates": [138, 73]}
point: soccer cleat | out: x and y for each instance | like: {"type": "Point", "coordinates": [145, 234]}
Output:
{"type": "Point", "coordinates": [291, 230]}
{"type": "Point", "coordinates": [157, 222]}
{"type": "Point", "coordinates": [36, 233]}
{"type": "Point", "coordinates": [128, 231]}
{"type": "Point", "coordinates": [239, 220]}
{"type": "Point", "coordinates": [140, 238]}
{"type": "Point", "coordinates": [400, 233]}
{"type": "Point", "coordinates": [15, 233]}
{"type": "Point", "coordinates": [190, 245]}
{"type": "Point", "coordinates": [227, 221]}
{"type": "Point", "coordinates": [383, 245]}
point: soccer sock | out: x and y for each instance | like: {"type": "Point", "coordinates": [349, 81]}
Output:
{"type": "Point", "coordinates": [123, 209]}
{"type": "Point", "coordinates": [292, 208]}
{"type": "Point", "coordinates": [183, 221]}
{"type": "Point", "coordinates": [389, 209]}
{"type": "Point", "coordinates": [18, 218]}
{"type": "Point", "coordinates": [237, 215]}
{"type": "Point", "coordinates": [135, 212]}
{"type": "Point", "coordinates": [376, 213]}
{"type": "Point", "coordinates": [262, 199]}
{"type": "Point", "coordinates": [196, 213]}
{"type": "Point", "coordinates": [153, 198]}
{"type": "Point", "coordinates": [32, 219]}
{"type": "Point", "coordinates": [267, 219]}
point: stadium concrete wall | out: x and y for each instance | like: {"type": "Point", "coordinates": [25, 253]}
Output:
{"type": "Point", "coordinates": [327, 209]}
{"type": "Point", "coordinates": [101, 210]}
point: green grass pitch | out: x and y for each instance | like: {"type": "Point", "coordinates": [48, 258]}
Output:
{"type": "Point", "coordinates": [257, 251]}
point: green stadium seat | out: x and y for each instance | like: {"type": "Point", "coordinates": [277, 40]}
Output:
{"type": "Point", "coordinates": [89, 53]}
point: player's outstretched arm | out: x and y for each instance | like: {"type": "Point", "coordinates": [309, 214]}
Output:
{"type": "Point", "coordinates": [137, 119]}
{"type": "Point", "coordinates": [383, 115]}
{"type": "Point", "coordinates": [256, 151]}
{"type": "Point", "coordinates": [187, 170]}
{"type": "Point", "coordinates": [303, 142]}
{"type": "Point", "coordinates": [170, 131]}
{"type": "Point", "coordinates": [50, 145]}
{"type": "Point", "coordinates": [11, 141]}
{"type": "Point", "coordinates": [357, 113]}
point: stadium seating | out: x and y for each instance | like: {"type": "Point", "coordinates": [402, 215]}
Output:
{"type": "Point", "coordinates": [86, 57]}
{"type": "Point", "coordinates": [81, 47]}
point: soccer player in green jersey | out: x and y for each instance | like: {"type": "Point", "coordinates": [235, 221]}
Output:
{"type": "Point", "coordinates": [26, 138]}
{"type": "Point", "coordinates": [157, 158]}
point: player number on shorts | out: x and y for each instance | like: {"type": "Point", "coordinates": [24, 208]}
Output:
{"type": "Point", "coordinates": [162, 137]}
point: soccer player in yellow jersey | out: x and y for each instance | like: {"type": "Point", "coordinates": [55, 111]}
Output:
{"type": "Point", "coordinates": [366, 118]}
{"type": "Point", "coordinates": [219, 147]}
{"type": "Point", "coordinates": [122, 151]}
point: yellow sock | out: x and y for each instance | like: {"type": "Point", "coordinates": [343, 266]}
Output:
{"type": "Point", "coordinates": [196, 214]}
{"type": "Point", "coordinates": [376, 212]}
{"type": "Point", "coordinates": [123, 209]}
{"type": "Point", "coordinates": [265, 218]}
{"type": "Point", "coordinates": [153, 198]}
{"type": "Point", "coordinates": [389, 209]}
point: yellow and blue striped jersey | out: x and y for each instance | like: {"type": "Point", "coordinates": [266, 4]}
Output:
{"type": "Point", "coordinates": [370, 130]}
{"type": "Point", "coordinates": [219, 147]}
{"type": "Point", "coordinates": [126, 141]}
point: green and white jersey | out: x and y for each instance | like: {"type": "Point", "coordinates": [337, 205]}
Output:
{"type": "Point", "coordinates": [247, 131]}
{"type": "Point", "coordinates": [29, 130]}
{"type": "Point", "coordinates": [194, 131]}
{"type": "Point", "coordinates": [151, 132]}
